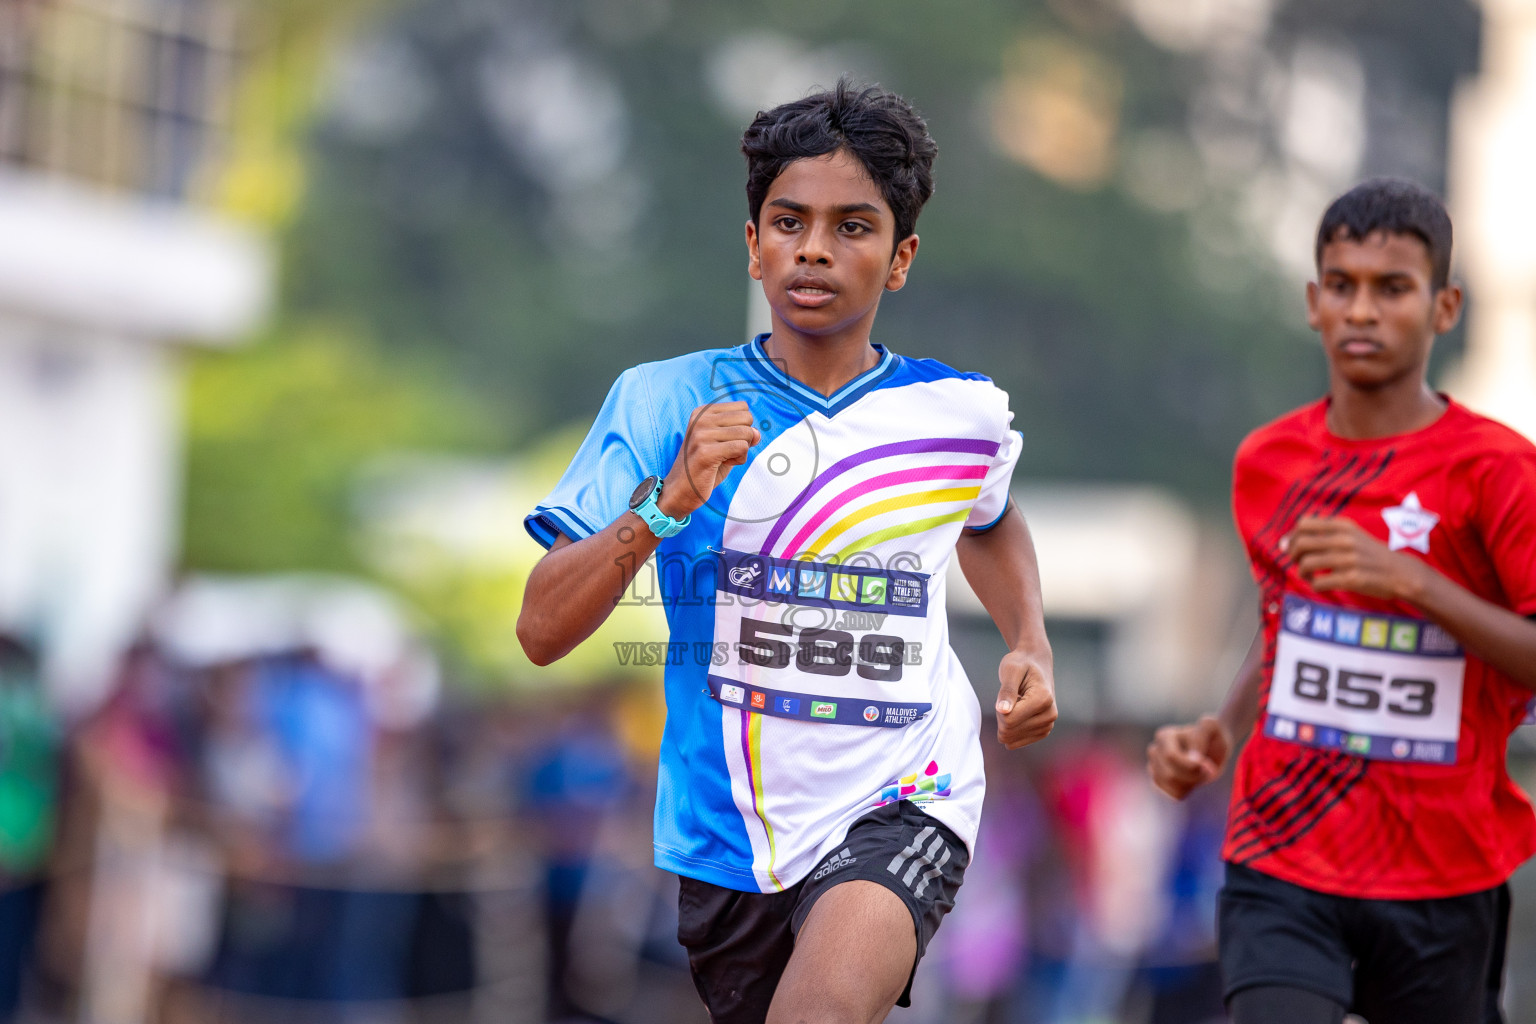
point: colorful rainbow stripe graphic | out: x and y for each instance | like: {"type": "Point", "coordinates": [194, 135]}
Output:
{"type": "Point", "coordinates": [835, 515]}
{"type": "Point", "coordinates": [856, 504]}
{"type": "Point", "coordinates": [752, 750]}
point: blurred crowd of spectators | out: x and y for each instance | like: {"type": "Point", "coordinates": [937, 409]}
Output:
{"type": "Point", "coordinates": [254, 839]}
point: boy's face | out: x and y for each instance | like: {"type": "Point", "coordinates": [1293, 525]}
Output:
{"type": "Point", "coordinates": [824, 250]}
{"type": "Point", "coordinates": [1376, 310]}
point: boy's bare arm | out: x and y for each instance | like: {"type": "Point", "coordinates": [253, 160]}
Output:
{"type": "Point", "coordinates": [1001, 568]}
{"type": "Point", "coordinates": [575, 587]}
{"type": "Point", "coordinates": [1182, 758]}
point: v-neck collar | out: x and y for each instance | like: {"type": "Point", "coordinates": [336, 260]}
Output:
{"type": "Point", "coordinates": [829, 405]}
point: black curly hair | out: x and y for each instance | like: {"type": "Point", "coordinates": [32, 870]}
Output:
{"type": "Point", "coordinates": [1394, 206]}
{"type": "Point", "coordinates": [878, 128]}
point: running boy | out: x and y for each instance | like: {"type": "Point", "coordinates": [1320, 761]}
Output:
{"type": "Point", "coordinates": [820, 775]}
{"type": "Point", "coordinates": [1393, 535]}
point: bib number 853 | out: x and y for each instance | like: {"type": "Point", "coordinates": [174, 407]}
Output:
{"type": "Point", "coordinates": [822, 652]}
{"type": "Point", "coordinates": [1362, 691]}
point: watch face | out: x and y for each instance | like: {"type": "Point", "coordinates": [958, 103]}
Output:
{"type": "Point", "coordinates": [643, 491]}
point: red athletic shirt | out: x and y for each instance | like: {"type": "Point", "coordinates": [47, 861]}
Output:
{"type": "Point", "coordinates": [1362, 779]}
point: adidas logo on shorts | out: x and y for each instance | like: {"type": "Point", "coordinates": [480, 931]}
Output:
{"type": "Point", "coordinates": [839, 860]}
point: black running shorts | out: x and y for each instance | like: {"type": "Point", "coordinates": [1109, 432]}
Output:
{"type": "Point", "coordinates": [739, 942]}
{"type": "Point", "coordinates": [1398, 961]}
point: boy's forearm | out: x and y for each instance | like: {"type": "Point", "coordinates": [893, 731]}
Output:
{"type": "Point", "coordinates": [1001, 567]}
{"type": "Point", "coordinates": [1240, 709]}
{"type": "Point", "coordinates": [1502, 638]}
{"type": "Point", "coordinates": [575, 587]}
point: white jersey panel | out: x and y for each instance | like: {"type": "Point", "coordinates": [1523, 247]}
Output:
{"type": "Point", "coordinates": [841, 692]}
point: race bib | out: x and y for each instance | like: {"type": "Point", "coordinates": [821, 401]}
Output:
{"type": "Point", "coordinates": [819, 642]}
{"type": "Point", "coordinates": [1378, 686]}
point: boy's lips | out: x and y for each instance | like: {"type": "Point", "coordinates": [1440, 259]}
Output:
{"type": "Point", "coordinates": [1359, 347]}
{"type": "Point", "coordinates": [811, 292]}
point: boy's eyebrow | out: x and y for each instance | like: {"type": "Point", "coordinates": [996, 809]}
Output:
{"type": "Point", "coordinates": [1385, 275]}
{"type": "Point", "coordinates": [794, 207]}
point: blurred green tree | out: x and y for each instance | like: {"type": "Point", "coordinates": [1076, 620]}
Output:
{"type": "Point", "coordinates": [507, 203]}
{"type": "Point", "coordinates": [550, 191]}
{"type": "Point", "coordinates": [276, 435]}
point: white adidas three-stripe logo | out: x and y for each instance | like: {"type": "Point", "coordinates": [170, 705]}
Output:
{"type": "Point", "coordinates": [920, 857]}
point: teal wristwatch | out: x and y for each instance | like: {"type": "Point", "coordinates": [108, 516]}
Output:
{"type": "Point", "coordinates": [643, 504]}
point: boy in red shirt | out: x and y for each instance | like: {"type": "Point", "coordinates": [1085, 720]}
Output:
{"type": "Point", "coordinates": [1393, 535]}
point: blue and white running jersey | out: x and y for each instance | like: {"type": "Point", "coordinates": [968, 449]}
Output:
{"type": "Point", "coordinates": [812, 679]}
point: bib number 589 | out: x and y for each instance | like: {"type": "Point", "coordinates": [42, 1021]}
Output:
{"type": "Point", "coordinates": [822, 652]}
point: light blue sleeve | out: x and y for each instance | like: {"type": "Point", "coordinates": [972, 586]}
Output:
{"type": "Point", "coordinates": [620, 450]}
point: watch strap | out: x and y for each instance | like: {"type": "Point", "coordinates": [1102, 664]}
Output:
{"type": "Point", "coordinates": [661, 524]}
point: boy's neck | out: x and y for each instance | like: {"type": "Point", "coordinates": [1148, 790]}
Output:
{"type": "Point", "coordinates": [1402, 407]}
{"type": "Point", "coordinates": [821, 364]}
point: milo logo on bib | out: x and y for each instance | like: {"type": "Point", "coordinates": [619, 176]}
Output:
{"type": "Point", "coordinates": [1379, 686]}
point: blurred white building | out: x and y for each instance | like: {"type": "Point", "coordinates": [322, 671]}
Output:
{"type": "Point", "coordinates": [111, 115]}
{"type": "Point", "coordinates": [1493, 166]}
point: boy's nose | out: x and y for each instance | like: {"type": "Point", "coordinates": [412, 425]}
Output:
{"type": "Point", "coordinates": [814, 248]}
{"type": "Point", "coordinates": [1362, 308]}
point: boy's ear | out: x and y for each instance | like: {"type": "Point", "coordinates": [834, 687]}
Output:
{"type": "Point", "coordinates": [901, 263]}
{"type": "Point", "coordinates": [1313, 293]}
{"type": "Point", "coordinates": [754, 258]}
{"type": "Point", "coordinates": [1447, 311]}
